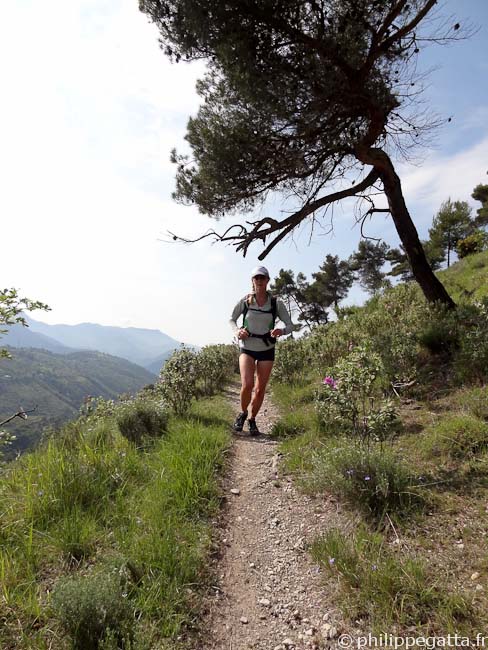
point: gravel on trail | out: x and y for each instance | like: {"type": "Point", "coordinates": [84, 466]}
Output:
{"type": "Point", "coordinates": [267, 593]}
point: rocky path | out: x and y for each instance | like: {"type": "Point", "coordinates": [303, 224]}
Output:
{"type": "Point", "coordinates": [269, 595]}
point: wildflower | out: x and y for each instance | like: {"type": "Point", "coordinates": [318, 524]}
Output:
{"type": "Point", "coordinates": [367, 478]}
{"type": "Point", "coordinates": [331, 560]}
{"type": "Point", "coordinates": [349, 472]}
{"type": "Point", "coordinates": [373, 567]}
{"type": "Point", "coordinates": [329, 381]}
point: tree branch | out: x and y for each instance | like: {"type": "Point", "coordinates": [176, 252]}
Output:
{"type": "Point", "coordinates": [20, 414]}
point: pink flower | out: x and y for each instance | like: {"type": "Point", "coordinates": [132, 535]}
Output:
{"type": "Point", "coordinates": [329, 381]}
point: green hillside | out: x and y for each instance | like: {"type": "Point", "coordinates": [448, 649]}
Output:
{"type": "Point", "coordinates": [58, 384]}
{"type": "Point", "coordinates": [467, 279]}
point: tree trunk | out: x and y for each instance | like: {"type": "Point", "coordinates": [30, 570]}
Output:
{"type": "Point", "coordinates": [432, 288]}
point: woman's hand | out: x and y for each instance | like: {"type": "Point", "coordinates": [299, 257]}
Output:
{"type": "Point", "coordinates": [276, 333]}
{"type": "Point", "coordinates": [242, 333]}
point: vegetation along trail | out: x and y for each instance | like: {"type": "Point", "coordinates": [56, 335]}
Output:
{"type": "Point", "coordinates": [269, 593]}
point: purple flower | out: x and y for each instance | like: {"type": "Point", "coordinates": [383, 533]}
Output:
{"type": "Point", "coordinates": [329, 381]}
{"type": "Point", "coordinates": [331, 560]}
{"type": "Point", "coordinates": [349, 472]}
{"type": "Point", "coordinates": [373, 567]}
{"type": "Point", "coordinates": [367, 478]}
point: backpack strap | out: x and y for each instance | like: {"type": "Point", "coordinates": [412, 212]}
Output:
{"type": "Point", "coordinates": [274, 309]}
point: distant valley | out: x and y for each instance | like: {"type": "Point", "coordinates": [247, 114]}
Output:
{"type": "Point", "coordinates": [57, 366]}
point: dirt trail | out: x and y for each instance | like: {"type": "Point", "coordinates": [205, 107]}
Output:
{"type": "Point", "coordinates": [269, 594]}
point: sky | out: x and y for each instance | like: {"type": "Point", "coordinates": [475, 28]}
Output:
{"type": "Point", "coordinates": [90, 111]}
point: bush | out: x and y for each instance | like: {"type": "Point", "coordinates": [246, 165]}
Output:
{"type": "Point", "coordinates": [214, 365]}
{"type": "Point", "coordinates": [291, 361]}
{"type": "Point", "coordinates": [386, 587]}
{"type": "Point", "coordinates": [456, 436]}
{"type": "Point", "coordinates": [475, 243]}
{"type": "Point", "coordinates": [179, 380]}
{"type": "Point", "coordinates": [93, 608]}
{"type": "Point", "coordinates": [471, 363]}
{"type": "Point", "coordinates": [373, 479]}
{"type": "Point", "coordinates": [347, 403]}
{"type": "Point", "coordinates": [139, 420]}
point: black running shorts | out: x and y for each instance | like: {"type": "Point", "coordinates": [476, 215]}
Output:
{"type": "Point", "coordinates": [262, 355]}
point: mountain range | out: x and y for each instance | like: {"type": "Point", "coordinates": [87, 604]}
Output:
{"type": "Point", "coordinates": [146, 347]}
{"type": "Point", "coordinates": [55, 367]}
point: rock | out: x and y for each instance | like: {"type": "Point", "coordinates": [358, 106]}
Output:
{"type": "Point", "coordinates": [288, 643]}
{"type": "Point", "coordinates": [475, 575]}
{"type": "Point", "coordinates": [235, 491]}
{"type": "Point", "coordinates": [244, 620]}
{"type": "Point", "coordinates": [264, 602]}
{"type": "Point", "coordinates": [479, 587]}
{"type": "Point", "coordinates": [310, 632]}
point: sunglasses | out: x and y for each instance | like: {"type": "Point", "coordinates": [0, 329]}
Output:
{"type": "Point", "coordinates": [260, 277]}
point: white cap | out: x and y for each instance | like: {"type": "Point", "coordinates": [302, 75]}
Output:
{"type": "Point", "coordinates": [259, 270]}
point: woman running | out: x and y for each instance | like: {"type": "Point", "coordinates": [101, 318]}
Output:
{"type": "Point", "coordinates": [257, 338]}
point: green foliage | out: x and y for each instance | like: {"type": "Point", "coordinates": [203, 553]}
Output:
{"type": "Point", "coordinates": [60, 384]}
{"type": "Point", "coordinates": [452, 223]}
{"type": "Point", "coordinates": [289, 364]}
{"type": "Point", "coordinates": [179, 380]}
{"type": "Point", "coordinates": [367, 262]}
{"type": "Point", "coordinates": [92, 607]}
{"type": "Point", "coordinates": [386, 586]}
{"type": "Point", "coordinates": [347, 403]}
{"type": "Point", "coordinates": [480, 193]}
{"type": "Point", "coordinates": [215, 364]}
{"type": "Point", "coordinates": [291, 424]}
{"type": "Point", "coordinates": [138, 420]}
{"type": "Point", "coordinates": [371, 478]}
{"type": "Point", "coordinates": [12, 305]}
{"type": "Point", "coordinates": [471, 362]}
{"type": "Point", "coordinates": [456, 436]}
{"type": "Point", "coordinates": [88, 500]}
{"type": "Point", "coordinates": [188, 374]}
{"type": "Point", "coordinates": [474, 243]}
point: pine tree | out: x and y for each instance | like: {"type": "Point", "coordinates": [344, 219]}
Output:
{"type": "Point", "coordinates": [452, 223]}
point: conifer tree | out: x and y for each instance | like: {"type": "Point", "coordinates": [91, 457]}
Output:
{"type": "Point", "coordinates": [314, 99]}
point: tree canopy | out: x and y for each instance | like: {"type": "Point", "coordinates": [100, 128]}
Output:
{"type": "Point", "coordinates": [306, 98]}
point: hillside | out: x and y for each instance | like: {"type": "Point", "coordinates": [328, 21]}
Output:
{"type": "Point", "coordinates": [58, 384]}
{"type": "Point", "coordinates": [138, 345]}
{"type": "Point", "coordinates": [467, 279]}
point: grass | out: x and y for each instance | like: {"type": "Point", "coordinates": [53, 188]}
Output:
{"type": "Point", "coordinates": [438, 510]}
{"type": "Point", "coordinates": [387, 586]}
{"type": "Point", "coordinates": [467, 279]}
{"type": "Point", "coordinates": [90, 504]}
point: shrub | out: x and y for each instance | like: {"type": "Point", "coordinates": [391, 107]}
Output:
{"type": "Point", "coordinates": [373, 479]}
{"type": "Point", "coordinates": [214, 365]}
{"type": "Point", "coordinates": [139, 420]}
{"type": "Point", "coordinates": [347, 403]}
{"type": "Point", "coordinates": [456, 436]}
{"type": "Point", "coordinates": [386, 587]}
{"type": "Point", "coordinates": [471, 362]}
{"type": "Point", "coordinates": [179, 380]}
{"type": "Point", "coordinates": [474, 243]}
{"type": "Point", "coordinates": [291, 361]}
{"type": "Point", "coordinates": [93, 608]}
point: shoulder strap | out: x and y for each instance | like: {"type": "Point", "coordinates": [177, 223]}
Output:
{"type": "Point", "coordinates": [273, 308]}
{"type": "Point", "coordinates": [246, 309]}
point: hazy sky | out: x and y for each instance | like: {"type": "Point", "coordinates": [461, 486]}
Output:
{"type": "Point", "coordinates": [90, 111]}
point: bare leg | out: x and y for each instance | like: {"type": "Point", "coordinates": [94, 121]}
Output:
{"type": "Point", "coordinates": [263, 372]}
{"type": "Point", "coordinates": [246, 366]}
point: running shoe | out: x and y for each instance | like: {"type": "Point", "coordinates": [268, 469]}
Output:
{"type": "Point", "coordinates": [239, 422]}
{"type": "Point", "coordinates": [253, 427]}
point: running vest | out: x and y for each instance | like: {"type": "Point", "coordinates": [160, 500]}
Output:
{"type": "Point", "coordinates": [271, 311]}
